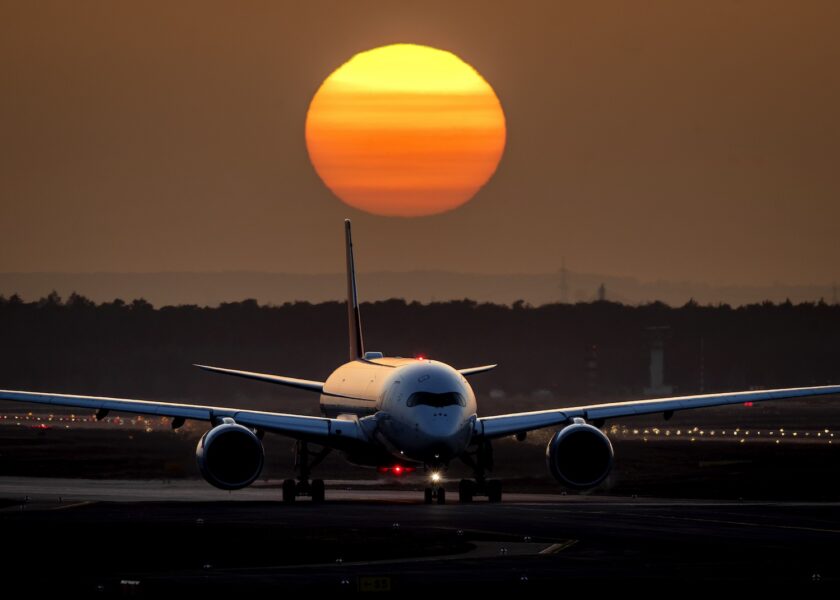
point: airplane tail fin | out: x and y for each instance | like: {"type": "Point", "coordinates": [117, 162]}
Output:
{"type": "Point", "coordinates": [357, 347]}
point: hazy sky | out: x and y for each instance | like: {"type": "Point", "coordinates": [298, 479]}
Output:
{"type": "Point", "coordinates": [675, 140]}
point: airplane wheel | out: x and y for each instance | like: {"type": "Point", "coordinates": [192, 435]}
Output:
{"type": "Point", "coordinates": [289, 491]}
{"type": "Point", "coordinates": [441, 496]}
{"type": "Point", "coordinates": [494, 490]}
{"type": "Point", "coordinates": [317, 492]}
{"type": "Point", "coordinates": [427, 495]}
{"type": "Point", "coordinates": [466, 491]}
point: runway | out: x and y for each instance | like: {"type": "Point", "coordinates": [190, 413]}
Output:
{"type": "Point", "coordinates": [95, 534]}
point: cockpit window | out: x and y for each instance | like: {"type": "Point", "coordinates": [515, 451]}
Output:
{"type": "Point", "coordinates": [436, 400]}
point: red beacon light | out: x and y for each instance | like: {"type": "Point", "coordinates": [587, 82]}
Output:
{"type": "Point", "coordinates": [396, 470]}
{"type": "Point", "coordinates": [748, 404]}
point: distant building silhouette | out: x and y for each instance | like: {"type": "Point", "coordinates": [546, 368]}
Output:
{"type": "Point", "coordinates": [564, 281]}
{"type": "Point", "coordinates": [590, 366]}
{"type": "Point", "coordinates": [657, 385]}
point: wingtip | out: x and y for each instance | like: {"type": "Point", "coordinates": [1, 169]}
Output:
{"type": "Point", "coordinates": [477, 370]}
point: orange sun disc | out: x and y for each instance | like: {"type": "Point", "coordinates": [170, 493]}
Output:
{"type": "Point", "coordinates": [405, 130]}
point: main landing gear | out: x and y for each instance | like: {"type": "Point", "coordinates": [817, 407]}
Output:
{"type": "Point", "coordinates": [303, 466]}
{"type": "Point", "coordinates": [480, 461]}
{"type": "Point", "coordinates": [468, 489]}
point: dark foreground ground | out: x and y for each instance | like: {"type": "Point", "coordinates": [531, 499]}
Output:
{"type": "Point", "coordinates": [367, 541]}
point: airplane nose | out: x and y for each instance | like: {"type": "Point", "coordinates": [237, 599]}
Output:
{"type": "Point", "coordinates": [446, 434]}
{"type": "Point", "coordinates": [441, 425]}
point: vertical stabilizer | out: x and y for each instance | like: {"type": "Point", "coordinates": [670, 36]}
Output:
{"type": "Point", "coordinates": [354, 321]}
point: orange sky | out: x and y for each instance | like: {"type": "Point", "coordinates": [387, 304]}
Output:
{"type": "Point", "coordinates": [666, 140]}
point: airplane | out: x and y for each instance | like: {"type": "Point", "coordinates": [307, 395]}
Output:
{"type": "Point", "coordinates": [399, 415]}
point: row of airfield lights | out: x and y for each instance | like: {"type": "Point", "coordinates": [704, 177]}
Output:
{"type": "Point", "coordinates": [50, 421]}
{"type": "Point", "coordinates": [693, 434]}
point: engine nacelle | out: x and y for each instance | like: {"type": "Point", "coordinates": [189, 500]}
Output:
{"type": "Point", "coordinates": [579, 456]}
{"type": "Point", "coordinates": [230, 456]}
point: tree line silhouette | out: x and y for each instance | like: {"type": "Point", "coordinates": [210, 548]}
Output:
{"type": "Point", "coordinates": [134, 349]}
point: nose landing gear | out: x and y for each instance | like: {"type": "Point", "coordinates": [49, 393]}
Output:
{"type": "Point", "coordinates": [435, 493]}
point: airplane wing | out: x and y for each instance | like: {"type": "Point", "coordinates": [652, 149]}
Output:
{"type": "Point", "coordinates": [303, 384]}
{"type": "Point", "coordinates": [502, 425]}
{"type": "Point", "coordinates": [320, 430]}
{"type": "Point", "coordinates": [474, 370]}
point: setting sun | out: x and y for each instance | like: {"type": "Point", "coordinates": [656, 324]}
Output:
{"type": "Point", "coordinates": [405, 130]}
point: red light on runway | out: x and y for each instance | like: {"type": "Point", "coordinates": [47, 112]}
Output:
{"type": "Point", "coordinates": [397, 470]}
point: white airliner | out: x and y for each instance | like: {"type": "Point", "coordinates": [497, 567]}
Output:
{"type": "Point", "coordinates": [398, 415]}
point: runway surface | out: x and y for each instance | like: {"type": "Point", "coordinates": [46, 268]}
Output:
{"type": "Point", "coordinates": [149, 536]}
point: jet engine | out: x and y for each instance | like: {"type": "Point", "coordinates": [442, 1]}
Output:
{"type": "Point", "coordinates": [579, 456]}
{"type": "Point", "coordinates": [230, 456]}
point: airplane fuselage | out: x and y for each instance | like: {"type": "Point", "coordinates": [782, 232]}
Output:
{"type": "Point", "coordinates": [424, 410]}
